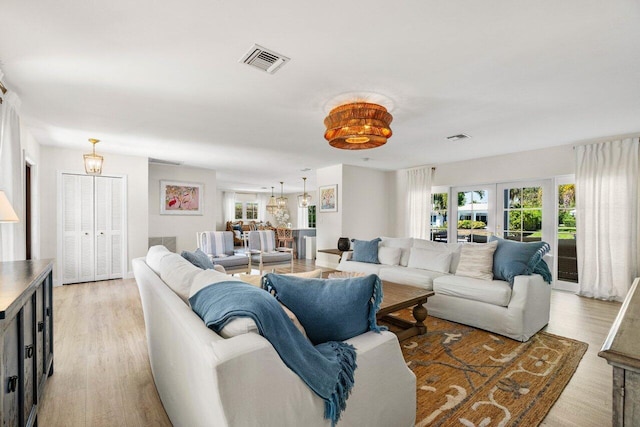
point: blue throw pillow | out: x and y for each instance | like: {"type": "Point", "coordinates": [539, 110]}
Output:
{"type": "Point", "coordinates": [513, 259]}
{"type": "Point", "coordinates": [329, 309]}
{"type": "Point", "coordinates": [366, 250]}
{"type": "Point", "coordinates": [198, 258]}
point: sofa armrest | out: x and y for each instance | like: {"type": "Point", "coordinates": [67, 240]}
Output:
{"type": "Point", "coordinates": [249, 369]}
{"type": "Point", "coordinates": [531, 299]}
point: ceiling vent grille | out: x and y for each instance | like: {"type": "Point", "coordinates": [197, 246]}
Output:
{"type": "Point", "coordinates": [458, 137]}
{"type": "Point", "coordinates": [264, 59]}
{"type": "Point", "coordinates": [164, 162]}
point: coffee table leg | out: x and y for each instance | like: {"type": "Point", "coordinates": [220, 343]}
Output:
{"type": "Point", "coordinates": [420, 314]}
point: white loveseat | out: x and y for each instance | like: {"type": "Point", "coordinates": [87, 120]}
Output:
{"type": "Point", "coordinates": [517, 312]}
{"type": "Point", "coordinates": [204, 379]}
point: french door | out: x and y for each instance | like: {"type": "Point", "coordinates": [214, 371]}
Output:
{"type": "Point", "coordinates": [472, 211]}
{"type": "Point", "coordinates": [92, 228]}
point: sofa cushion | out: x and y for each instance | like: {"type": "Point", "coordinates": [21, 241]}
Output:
{"type": "Point", "coordinates": [329, 310]}
{"type": "Point", "coordinates": [271, 257]}
{"type": "Point", "coordinates": [366, 250]}
{"type": "Point", "coordinates": [198, 258]}
{"type": "Point", "coordinates": [154, 257]}
{"type": "Point", "coordinates": [409, 276]}
{"type": "Point", "coordinates": [513, 258]}
{"type": "Point", "coordinates": [438, 260]}
{"type": "Point", "coordinates": [178, 274]}
{"type": "Point", "coordinates": [404, 243]}
{"type": "Point", "coordinates": [389, 256]}
{"type": "Point", "coordinates": [454, 248]}
{"type": "Point", "coordinates": [232, 261]}
{"type": "Point", "coordinates": [496, 292]}
{"type": "Point", "coordinates": [360, 267]}
{"type": "Point", "coordinates": [476, 260]}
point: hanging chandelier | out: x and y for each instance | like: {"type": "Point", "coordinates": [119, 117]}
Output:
{"type": "Point", "coordinates": [304, 200]}
{"type": "Point", "coordinates": [93, 162]}
{"type": "Point", "coordinates": [282, 201]}
{"type": "Point", "coordinates": [358, 126]}
{"type": "Point", "coordinates": [272, 206]}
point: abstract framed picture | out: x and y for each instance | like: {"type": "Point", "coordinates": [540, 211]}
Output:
{"type": "Point", "coordinates": [180, 198]}
{"type": "Point", "coordinates": [329, 198]}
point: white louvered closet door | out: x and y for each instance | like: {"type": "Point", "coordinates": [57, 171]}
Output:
{"type": "Point", "coordinates": [108, 235]}
{"type": "Point", "coordinates": [78, 228]}
{"type": "Point", "coordinates": [93, 218]}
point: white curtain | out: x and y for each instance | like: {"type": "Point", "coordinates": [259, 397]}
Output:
{"type": "Point", "coordinates": [607, 218]}
{"type": "Point", "coordinates": [229, 206]}
{"type": "Point", "coordinates": [419, 202]}
{"type": "Point", "coordinates": [263, 199]}
{"type": "Point", "coordinates": [11, 234]}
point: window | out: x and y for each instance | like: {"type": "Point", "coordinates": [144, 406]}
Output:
{"type": "Point", "coordinates": [439, 212]}
{"type": "Point", "coordinates": [522, 210]}
{"type": "Point", "coordinates": [251, 210]}
{"type": "Point", "coordinates": [246, 211]}
{"type": "Point", "coordinates": [312, 216]}
{"type": "Point", "coordinates": [567, 258]}
{"type": "Point", "coordinates": [473, 215]}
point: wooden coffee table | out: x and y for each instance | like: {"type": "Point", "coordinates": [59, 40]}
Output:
{"type": "Point", "coordinates": [397, 297]}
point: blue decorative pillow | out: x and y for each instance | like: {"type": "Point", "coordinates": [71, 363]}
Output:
{"type": "Point", "coordinates": [198, 258]}
{"type": "Point", "coordinates": [513, 259]}
{"type": "Point", "coordinates": [366, 250]}
{"type": "Point", "coordinates": [329, 309]}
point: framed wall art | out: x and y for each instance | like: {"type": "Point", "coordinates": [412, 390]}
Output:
{"type": "Point", "coordinates": [329, 198]}
{"type": "Point", "coordinates": [180, 198]}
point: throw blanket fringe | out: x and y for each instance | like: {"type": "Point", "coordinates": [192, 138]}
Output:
{"type": "Point", "coordinates": [376, 300]}
{"type": "Point", "coordinates": [328, 368]}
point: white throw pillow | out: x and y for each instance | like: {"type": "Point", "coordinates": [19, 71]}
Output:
{"type": "Point", "coordinates": [389, 256]}
{"type": "Point", "coordinates": [438, 260]}
{"type": "Point", "coordinates": [404, 243]}
{"type": "Point", "coordinates": [476, 260]}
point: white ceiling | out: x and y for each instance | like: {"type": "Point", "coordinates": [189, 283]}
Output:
{"type": "Point", "coordinates": [162, 79]}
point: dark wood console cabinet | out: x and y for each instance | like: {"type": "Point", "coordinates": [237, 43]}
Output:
{"type": "Point", "coordinates": [26, 338]}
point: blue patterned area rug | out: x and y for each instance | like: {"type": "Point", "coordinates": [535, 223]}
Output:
{"type": "Point", "coordinates": [470, 377]}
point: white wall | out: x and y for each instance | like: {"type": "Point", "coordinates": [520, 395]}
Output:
{"type": "Point", "coordinates": [55, 160]}
{"type": "Point", "coordinates": [365, 202]}
{"type": "Point", "coordinates": [183, 227]}
{"type": "Point", "coordinates": [329, 224]}
{"type": "Point", "coordinates": [31, 154]}
{"type": "Point", "coordinates": [527, 165]}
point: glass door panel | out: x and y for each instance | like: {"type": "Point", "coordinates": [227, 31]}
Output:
{"type": "Point", "coordinates": [522, 213]}
{"type": "Point", "coordinates": [439, 216]}
{"type": "Point", "coordinates": [567, 269]}
{"type": "Point", "coordinates": [473, 215]}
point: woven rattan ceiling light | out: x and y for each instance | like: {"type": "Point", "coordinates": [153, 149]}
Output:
{"type": "Point", "coordinates": [358, 126]}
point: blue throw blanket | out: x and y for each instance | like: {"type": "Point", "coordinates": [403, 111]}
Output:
{"type": "Point", "coordinates": [327, 368]}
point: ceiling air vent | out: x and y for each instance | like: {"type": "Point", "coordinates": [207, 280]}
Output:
{"type": "Point", "coordinates": [264, 59]}
{"type": "Point", "coordinates": [164, 162]}
{"type": "Point", "coordinates": [458, 137]}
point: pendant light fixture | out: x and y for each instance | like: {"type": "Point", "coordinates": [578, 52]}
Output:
{"type": "Point", "coordinates": [272, 206]}
{"type": "Point", "coordinates": [358, 126]}
{"type": "Point", "coordinates": [93, 162]}
{"type": "Point", "coordinates": [304, 200]}
{"type": "Point", "coordinates": [282, 201]}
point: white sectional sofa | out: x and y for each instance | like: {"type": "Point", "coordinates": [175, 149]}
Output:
{"type": "Point", "coordinates": [493, 305]}
{"type": "Point", "coordinates": [204, 379]}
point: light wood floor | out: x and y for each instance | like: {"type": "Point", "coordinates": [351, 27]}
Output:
{"type": "Point", "coordinates": [103, 378]}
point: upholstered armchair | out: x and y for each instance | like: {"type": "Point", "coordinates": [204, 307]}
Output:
{"type": "Point", "coordinates": [218, 245]}
{"type": "Point", "coordinates": [265, 254]}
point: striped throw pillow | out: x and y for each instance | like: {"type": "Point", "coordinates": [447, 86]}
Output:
{"type": "Point", "coordinates": [476, 260]}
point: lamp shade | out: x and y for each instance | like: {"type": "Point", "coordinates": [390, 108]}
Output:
{"type": "Point", "coordinates": [7, 214]}
{"type": "Point", "coordinates": [358, 126]}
